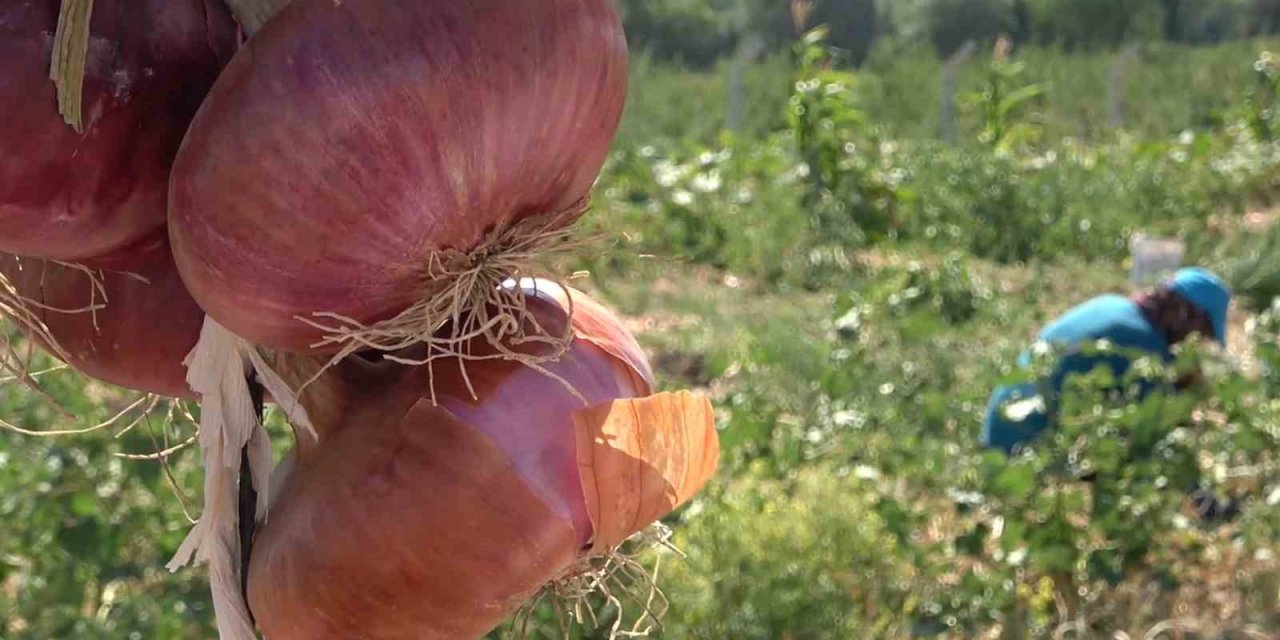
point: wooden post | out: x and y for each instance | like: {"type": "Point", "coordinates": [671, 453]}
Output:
{"type": "Point", "coordinates": [947, 113]}
{"type": "Point", "coordinates": [1115, 86]}
{"type": "Point", "coordinates": [748, 49]}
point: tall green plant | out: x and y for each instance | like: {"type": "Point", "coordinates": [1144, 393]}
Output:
{"type": "Point", "coordinates": [847, 195]}
{"type": "Point", "coordinates": [1264, 98]}
{"type": "Point", "coordinates": [1004, 102]}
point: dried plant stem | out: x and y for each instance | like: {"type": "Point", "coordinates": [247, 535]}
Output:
{"type": "Point", "coordinates": [70, 56]}
{"type": "Point", "coordinates": [231, 432]}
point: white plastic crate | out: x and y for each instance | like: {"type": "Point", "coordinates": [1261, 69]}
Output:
{"type": "Point", "coordinates": [1154, 259]}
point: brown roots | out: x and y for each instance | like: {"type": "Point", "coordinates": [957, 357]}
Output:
{"type": "Point", "coordinates": [614, 579]}
{"type": "Point", "coordinates": [17, 358]}
{"type": "Point", "coordinates": [70, 53]}
{"type": "Point", "coordinates": [166, 438]}
{"type": "Point", "coordinates": [478, 295]}
{"type": "Point", "coordinates": [167, 443]}
{"type": "Point", "coordinates": [17, 355]}
{"type": "Point", "coordinates": [25, 311]}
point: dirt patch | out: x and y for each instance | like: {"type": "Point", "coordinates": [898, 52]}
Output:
{"type": "Point", "coordinates": [878, 258]}
{"type": "Point", "coordinates": [1261, 220]}
{"type": "Point", "coordinates": [656, 323]}
{"type": "Point", "coordinates": [1230, 226]}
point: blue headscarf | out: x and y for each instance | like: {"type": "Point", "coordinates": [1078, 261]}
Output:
{"type": "Point", "coordinates": [1207, 292]}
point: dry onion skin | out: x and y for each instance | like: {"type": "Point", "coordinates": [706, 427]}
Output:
{"type": "Point", "coordinates": [252, 14]}
{"type": "Point", "coordinates": [364, 169]}
{"type": "Point", "coordinates": [127, 328]}
{"type": "Point", "coordinates": [416, 520]}
{"type": "Point", "coordinates": [85, 157]}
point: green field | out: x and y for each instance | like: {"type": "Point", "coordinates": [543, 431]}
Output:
{"type": "Point", "coordinates": [848, 289]}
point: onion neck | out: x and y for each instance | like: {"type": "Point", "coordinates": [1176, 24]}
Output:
{"type": "Point", "coordinates": [252, 14]}
{"type": "Point", "coordinates": [324, 397]}
{"type": "Point", "coordinates": [354, 390]}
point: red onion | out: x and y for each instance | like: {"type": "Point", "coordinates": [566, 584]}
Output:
{"type": "Point", "coordinates": [130, 329]}
{"type": "Point", "coordinates": [356, 156]}
{"type": "Point", "coordinates": [70, 195]}
{"type": "Point", "coordinates": [414, 520]}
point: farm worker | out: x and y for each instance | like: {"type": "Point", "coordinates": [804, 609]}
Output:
{"type": "Point", "coordinates": [1193, 302]}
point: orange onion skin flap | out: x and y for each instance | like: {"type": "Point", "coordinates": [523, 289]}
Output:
{"type": "Point", "coordinates": [67, 195]}
{"type": "Point", "coordinates": [349, 142]}
{"type": "Point", "coordinates": [140, 335]}
{"type": "Point", "coordinates": [410, 520]}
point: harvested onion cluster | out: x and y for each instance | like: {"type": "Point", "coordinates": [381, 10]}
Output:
{"type": "Point", "coordinates": [346, 204]}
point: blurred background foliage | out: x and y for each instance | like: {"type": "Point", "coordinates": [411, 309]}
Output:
{"type": "Point", "coordinates": [796, 236]}
{"type": "Point", "coordinates": [701, 32]}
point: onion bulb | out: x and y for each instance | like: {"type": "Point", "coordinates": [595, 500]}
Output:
{"type": "Point", "coordinates": [364, 169]}
{"type": "Point", "coordinates": [71, 194]}
{"type": "Point", "coordinates": [414, 519]}
{"type": "Point", "coordinates": [127, 328]}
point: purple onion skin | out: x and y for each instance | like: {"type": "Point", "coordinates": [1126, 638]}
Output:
{"type": "Point", "coordinates": [470, 505]}
{"type": "Point", "coordinates": [73, 196]}
{"type": "Point", "coordinates": [348, 142]}
{"type": "Point", "coordinates": [139, 337]}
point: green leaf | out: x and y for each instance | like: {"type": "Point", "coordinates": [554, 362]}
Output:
{"type": "Point", "coordinates": [1016, 481]}
{"type": "Point", "coordinates": [1020, 96]}
{"type": "Point", "coordinates": [1013, 536]}
{"type": "Point", "coordinates": [84, 504]}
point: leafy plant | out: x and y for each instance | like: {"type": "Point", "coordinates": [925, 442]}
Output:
{"type": "Point", "coordinates": [846, 191]}
{"type": "Point", "coordinates": [1263, 111]}
{"type": "Point", "coordinates": [948, 291]}
{"type": "Point", "coordinates": [789, 578]}
{"type": "Point", "coordinates": [1254, 269]}
{"type": "Point", "coordinates": [1102, 498]}
{"type": "Point", "coordinates": [1003, 104]}
{"type": "Point", "coordinates": [1266, 335]}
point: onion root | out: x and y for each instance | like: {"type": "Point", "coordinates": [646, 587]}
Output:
{"type": "Point", "coordinates": [616, 576]}
{"type": "Point", "coordinates": [474, 298]}
{"type": "Point", "coordinates": [25, 313]}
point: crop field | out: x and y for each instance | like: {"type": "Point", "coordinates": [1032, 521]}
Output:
{"type": "Point", "coordinates": [848, 288]}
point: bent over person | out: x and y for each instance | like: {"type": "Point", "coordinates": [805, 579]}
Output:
{"type": "Point", "coordinates": [1193, 302]}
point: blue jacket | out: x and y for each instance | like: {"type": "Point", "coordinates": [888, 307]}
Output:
{"type": "Point", "coordinates": [1015, 416]}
